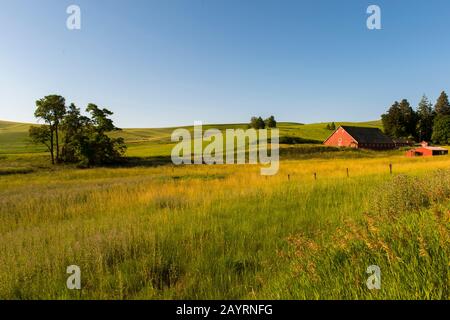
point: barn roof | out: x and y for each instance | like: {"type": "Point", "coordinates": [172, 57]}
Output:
{"type": "Point", "coordinates": [434, 148]}
{"type": "Point", "coordinates": [367, 135]}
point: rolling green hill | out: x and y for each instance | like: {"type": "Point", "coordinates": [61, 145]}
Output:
{"type": "Point", "coordinates": [156, 142]}
{"type": "Point", "coordinates": [14, 139]}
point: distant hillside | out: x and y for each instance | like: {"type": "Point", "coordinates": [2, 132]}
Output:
{"type": "Point", "coordinates": [316, 131]}
{"type": "Point", "coordinates": [14, 138]}
{"type": "Point", "coordinates": [153, 142]}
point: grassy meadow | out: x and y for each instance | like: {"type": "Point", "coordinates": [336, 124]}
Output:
{"type": "Point", "coordinates": [151, 230]}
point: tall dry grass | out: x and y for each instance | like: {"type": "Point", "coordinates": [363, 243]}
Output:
{"type": "Point", "coordinates": [222, 232]}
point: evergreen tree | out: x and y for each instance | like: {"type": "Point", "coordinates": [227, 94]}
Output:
{"type": "Point", "coordinates": [400, 121]}
{"type": "Point", "coordinates": [392, 120]}
{"type": "Point", "coordinates": [441, 130]}
{"type": "Point", "coordinates": [425, 118]}
{"type": "Point", "coordinates": [442, 107]}
{"type": "Point", "coordinates": [409, 119]}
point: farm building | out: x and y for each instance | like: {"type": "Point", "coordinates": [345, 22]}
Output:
{"type": "Point", "coordinates": [426, 151]}
{"type": "Point", "coordinates": [360, 138]}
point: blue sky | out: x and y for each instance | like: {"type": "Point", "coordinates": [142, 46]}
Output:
{"type": "Point", "coordinates": [169, 62]}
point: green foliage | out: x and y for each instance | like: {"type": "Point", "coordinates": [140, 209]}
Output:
{"type": "Point", "coordinates": [260, 124]}
{"type": "Point", "coordinates": [400, 121]}
{"type": "Point", "coordinates": [270, 122]}
{"type": "Point", "coordinates": [257, 123]}
{"type": "Point", "coordinates": [51, 109]}
{"type": "Point", "coordinates": [85, 140]}
{"type": "Point", "coordinates": [442, 107]}
{"type": "Point", "coordinates": [96, 147]}
{"type": "Point", "coordinates": [296, 140]}
{"type": "Point", "coordinates": [331, 126]}
{"type": "Point", "coordinates": [441, 130]}
{"type": "Point", "coordinates": [41, 135]}
{"type": "Point", "coordinates": [425, 118]}
{"type": "Point", "coordinates": [75, 128]}
{"type": "Point", "coordinates": [100, 118]}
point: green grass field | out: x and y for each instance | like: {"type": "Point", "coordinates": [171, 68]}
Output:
{"type": "Point", "coordinates": [150, 231]}
{"type": "Point", "coordinates": [156, 142]}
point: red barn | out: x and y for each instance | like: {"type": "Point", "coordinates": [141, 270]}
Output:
{"type": "Point", "coordinates": [426, 151]}
{"type": "Point", "coordinates": [360, 138]}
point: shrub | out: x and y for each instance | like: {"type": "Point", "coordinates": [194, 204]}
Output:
{"type": "Point", "coordinates": [297, 140]}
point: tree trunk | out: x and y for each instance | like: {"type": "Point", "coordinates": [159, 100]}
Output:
{"type": "Point", "coordinates": [57, 143]}
{"type": "Point", "coordinates": [51, 146]}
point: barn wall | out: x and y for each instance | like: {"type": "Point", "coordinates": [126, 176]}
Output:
{"type": "Point", "coordinates": [377, 146]}
{"type": "Point", "coordinates": [425, 152]}
{"type": "Point", "coordinates": [341, 139]}
{"type": "Point", "coordinates": [422, 151]}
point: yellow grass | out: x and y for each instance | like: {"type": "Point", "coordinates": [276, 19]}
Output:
{"type": "Point", "coordinates": [194, 231]}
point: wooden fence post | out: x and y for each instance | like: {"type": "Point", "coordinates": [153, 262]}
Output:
{"type": "Point", "coordinates": [390, 168]}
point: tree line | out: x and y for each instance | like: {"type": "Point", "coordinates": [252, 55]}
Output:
{"type": "Point", "coordinates": [259, 123]}
{"type": "Point", "coordinates": [426, 123]}
{"type": "Point", "coordinates": [331, 126]}
{"type": "Point", "coordinates": [71, 137]}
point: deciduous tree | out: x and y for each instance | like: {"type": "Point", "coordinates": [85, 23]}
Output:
{"type": "Point", "coordinates": [52, 109]}
{"type": "Point", "coordinates": [270, 122]}
{"type": "Point", "coordinates": [43, 135]}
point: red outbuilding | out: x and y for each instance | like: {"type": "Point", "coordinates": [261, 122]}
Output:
{"type": "Point", "coordinates": [426, 151]}
{"type": "Point", "coordinates": [360, 138]}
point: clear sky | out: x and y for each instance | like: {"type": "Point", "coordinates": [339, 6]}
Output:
{"type": "Point", "coordinates": [169, 62]}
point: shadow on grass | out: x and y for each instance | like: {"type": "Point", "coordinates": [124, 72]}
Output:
{"type": "Point", "coordinates": [131, 162]}
{"type": "Point", "coordinates": [11, 171]}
